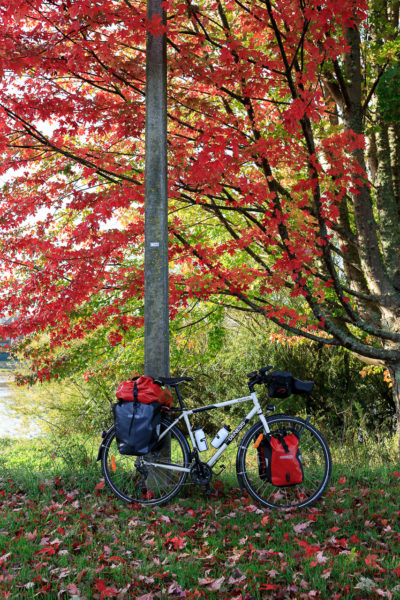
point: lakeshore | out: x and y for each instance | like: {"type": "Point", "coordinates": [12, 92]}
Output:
{"type": "Point", "coordinates": [9, 424]}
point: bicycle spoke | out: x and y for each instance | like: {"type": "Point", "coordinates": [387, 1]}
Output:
{"type": "Point", "coordinates": [135, 479]}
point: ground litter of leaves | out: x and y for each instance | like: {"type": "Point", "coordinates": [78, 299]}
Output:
{"type": "Point", "coordinates": [62, 543]}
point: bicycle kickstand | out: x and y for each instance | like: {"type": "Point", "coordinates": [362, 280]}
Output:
{"type": "Point", "coordinates": [207, 489]}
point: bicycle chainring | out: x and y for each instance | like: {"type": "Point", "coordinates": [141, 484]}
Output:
{"type": "Point", "coordinates": [201, 473]}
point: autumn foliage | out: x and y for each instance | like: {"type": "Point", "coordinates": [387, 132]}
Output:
{"type": "Point", "coordinates": [270, 196]}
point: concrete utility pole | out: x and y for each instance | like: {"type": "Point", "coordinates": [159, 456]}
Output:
{"type": "Point", "coordinates": [156, 311]}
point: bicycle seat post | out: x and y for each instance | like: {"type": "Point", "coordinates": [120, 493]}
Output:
{"type": "Point", "coordinates": [174, 382]}
{"type": "Point", "coordinates": [176, 386]}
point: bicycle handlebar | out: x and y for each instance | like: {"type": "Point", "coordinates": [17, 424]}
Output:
{"type": "Point", "coordinates": [257, 377]}
{"type": "Point", "coordinates": [260, 372]}
{"type": "Point", "coordinates": [260, 376]}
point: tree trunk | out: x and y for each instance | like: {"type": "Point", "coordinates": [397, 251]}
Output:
{"type": "Point", "coordinates": [394, 371]}
{"type": "Point", "coordinates": [156, 308]}
{"type": "Point", "coordinates": [156, 303]}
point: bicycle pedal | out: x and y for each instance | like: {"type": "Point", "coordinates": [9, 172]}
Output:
{"type": "Point", "coordinates": [221, 468]}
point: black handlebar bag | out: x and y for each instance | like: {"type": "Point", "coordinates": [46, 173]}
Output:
{"type": "Point", "coordinates": [280, 384]}
{"type": "Point", "coordinates": [137, 426]}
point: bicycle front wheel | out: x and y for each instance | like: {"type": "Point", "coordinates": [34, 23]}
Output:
{"type": "Point", "coordinates": [315, 457]}
{"type": "Point", "coordinates": [151, 479]}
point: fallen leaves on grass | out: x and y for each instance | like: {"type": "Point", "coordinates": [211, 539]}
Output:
{"type": "Point", "coordinates": [74, 546]}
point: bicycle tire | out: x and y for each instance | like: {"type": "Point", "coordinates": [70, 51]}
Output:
{"type": "Point", "coordinates": [133, 480]}
{"type": "Point", "coordinates": [316, 461]}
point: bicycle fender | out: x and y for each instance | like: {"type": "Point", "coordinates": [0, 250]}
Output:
{"type": "Point", "coordinates": [100, 452]}
{"type": "Point", "coordinates": [283, 416]}
{"type": "Point", "coordinates": [104, 435]}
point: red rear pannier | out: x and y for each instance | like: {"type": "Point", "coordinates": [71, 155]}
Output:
{"type": "Point", "coordinates": [144, 390]}
{"type": "Point", "coordinates": [279, 460]}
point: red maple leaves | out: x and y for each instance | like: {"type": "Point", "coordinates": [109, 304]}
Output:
{"type": "Point", "coordinates": [255, 182]}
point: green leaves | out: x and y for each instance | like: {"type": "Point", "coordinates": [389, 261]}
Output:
{"type": "Point", "coordinates": [388, 92]}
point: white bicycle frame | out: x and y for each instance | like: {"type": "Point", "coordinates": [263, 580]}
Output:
{"type": "Point", "coordinates": [256, 410]}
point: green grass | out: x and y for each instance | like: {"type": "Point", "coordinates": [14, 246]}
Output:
{"type": "Point", "coordinates": [31, 463]}
{"type": "Point", "coordinates": [60, 538]}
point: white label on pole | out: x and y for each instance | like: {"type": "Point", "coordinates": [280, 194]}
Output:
{"type": "Point", "coordinates": [154, 244]}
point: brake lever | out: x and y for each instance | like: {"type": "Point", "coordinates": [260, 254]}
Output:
{"type": "Point", "coordinates": [252, 374]}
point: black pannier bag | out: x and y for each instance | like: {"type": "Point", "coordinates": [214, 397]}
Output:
{"type": "Point", "coordinates": [279, 459]}
{"type": "Point", "coordinates": [137, 426]}
{"type": "Point", "coordinates": [280, 384]}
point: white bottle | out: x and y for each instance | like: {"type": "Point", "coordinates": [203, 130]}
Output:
{"type": "Point", "coordinates": [221, 436]}
{"type": "Point", "coordinates": [201, 440]}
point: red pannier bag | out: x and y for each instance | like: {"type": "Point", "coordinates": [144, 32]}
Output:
{"type": "Point", "coordinates": [279, 460]}
{"type": "Point", "coordinates": [144, 390]}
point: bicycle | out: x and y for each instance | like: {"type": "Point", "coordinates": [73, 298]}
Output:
{"type": "Point", "coordinates": [159, 476]}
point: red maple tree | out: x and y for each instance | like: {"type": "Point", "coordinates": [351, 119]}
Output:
{"type": "Point", "coordinates": [269, 190]}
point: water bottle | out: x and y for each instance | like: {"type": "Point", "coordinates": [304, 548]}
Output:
{"type": "Point", "coordinates": [221, 436]}
{"type": "Point", "coordinates": [201, 440]}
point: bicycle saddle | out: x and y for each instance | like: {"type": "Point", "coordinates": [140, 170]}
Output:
{"type": "Point", "coordinates": [173, 380]}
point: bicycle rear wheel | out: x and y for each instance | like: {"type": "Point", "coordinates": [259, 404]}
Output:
{"type": "Point", "coordinates": [149, 479]}
{"type": "Point", "coordinates": [315, 458]}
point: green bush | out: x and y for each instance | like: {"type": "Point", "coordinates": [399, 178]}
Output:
{"type": "Point", "coordinates": [343, 399]}
{"type": "Point", "coordinates": [218, 351]}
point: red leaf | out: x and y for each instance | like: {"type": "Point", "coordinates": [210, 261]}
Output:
{"type": "Point", "coordinates": [105, 591]}
{"type": "Point", "coordinates": [48, 551]}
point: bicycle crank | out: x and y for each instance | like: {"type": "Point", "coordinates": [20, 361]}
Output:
{"type": "Point", "coordinates": [201, 473]}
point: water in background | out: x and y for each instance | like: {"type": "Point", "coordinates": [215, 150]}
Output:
{"type": "Point", "coordinates": [10, 425]}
